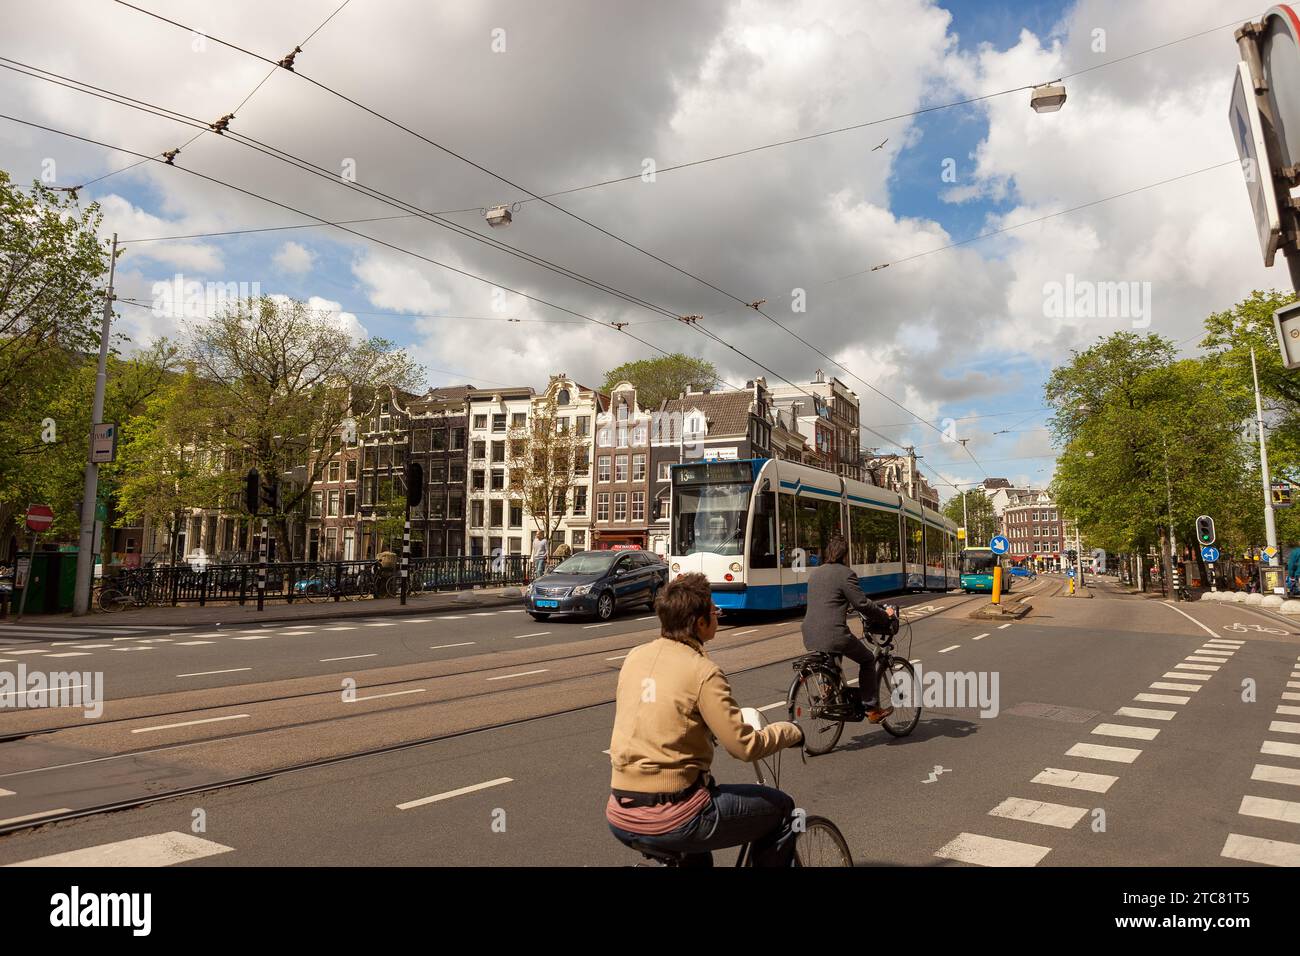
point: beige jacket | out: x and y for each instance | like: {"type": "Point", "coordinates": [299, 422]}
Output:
{"type": "Point", "coordinates": [670, 696]}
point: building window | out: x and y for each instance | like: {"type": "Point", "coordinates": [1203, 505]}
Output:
{"type": "Point", "coordinates": [457, 473]}
{"type": "Point", "coordinates": [333, 505]}
{"type": "Point", "coordinates": [580, 500]}
{"type": "Point", "coordinates": [638, 467]}
{"type": "Point", "coordinates": [516, 514]}
{"type": "Point", "coordinates": [640, 434]}
{"type": "Point", "coordinates": [439, 438]}
{"type": "Point", "coordinates": [352, 469]}
{"type": "Point", "coordinates": [638, 506]}
{"type": "Point", "coordinates": [620, 467]}
{"type": "Point", "coordinates": [480, 421]}
{"type": "Point", "coordinates": [334, 471]}
{"type": "Point", "coordinates": [496, 507]}
{"type": "Point", "coordinates": [602, 506]}
{"type": "Point", "coordinates": [477, 477]}
{"type": "Point", "coordinates": [316, 498]}
{"type": "Point", "coordinates": [436, 506]}
{"type": "Point", "coordinates": [518, 420]}
{"type": "Point", "coordinates": [583, 425]}
{"type": "Point", "coordinates": [620, 506]}
{"type": "Point", "coordinates": [561, 426]}
{"type": "Point", "coordinates": [498, 452]}
{"type": "Point", "coordinates": [563, 397]}
{"type": "Point", "coordinates": [602, 468]}
{"type": "Point", "coordinates": [581, 462]}
{"type": "Point", "coordinates": [457, 438]}
{"type": "Point", "coordinates": [579, 540]}
{"type": "Point", "coordinates": [349, 503]}
{"type": "Point", "coordinates": [331, 544]}
{"type": "Point", "coordinates": [476, 514]}
{"type": "Point", "coordinates": [455, 507]}
{"type": "Point", "coordinates": [499, 422]}
{"type": "Point", "coordinates": [498, 480]}
{"type": "Point", "coordinates": [621, 435]}
{"type": "Point", "coordinates": [664, 473]}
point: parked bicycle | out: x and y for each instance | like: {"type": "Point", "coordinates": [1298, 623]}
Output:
{"type": "Point", "coordinates": [822, 702]}
{"type": "Point", "coordinates": [818, 841]}
{"type": "Point", "coordinates": [131, 588]}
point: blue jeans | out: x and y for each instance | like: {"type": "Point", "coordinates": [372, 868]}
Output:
{"type": "Point", "coordinates": [539, 567]}
{"type": "Point", "coordinates": [738, 813]}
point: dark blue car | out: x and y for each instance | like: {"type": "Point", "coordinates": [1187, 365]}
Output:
{"type": "Point", "coordinates": [597, 583]}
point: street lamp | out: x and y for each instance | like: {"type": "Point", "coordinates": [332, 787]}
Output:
{"type": "Point", "coordinates": [1048, 98]}
{"type": "Point", "coordinates": [498, 216]}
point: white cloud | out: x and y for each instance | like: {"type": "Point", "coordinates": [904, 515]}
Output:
{"type": "Point", "coordinates": [293, 258]}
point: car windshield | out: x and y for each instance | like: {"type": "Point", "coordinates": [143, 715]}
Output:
{"type": "Point", "coordinates": [588, 562]}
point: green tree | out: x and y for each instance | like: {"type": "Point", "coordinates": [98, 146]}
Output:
{"type": "Point", "coordinates": [662, 378]}
{"type": "Point", "coordinates": [983, 520]}
{"type": "Point", "coordinates": [542, 456]}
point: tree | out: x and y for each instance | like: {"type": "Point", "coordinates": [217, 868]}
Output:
{"type": "Point", "coordinates": [542, 459]}
{"type": "Point", "coordinates": [662, 378]}
{"type": "Point", "coordinates": [980, 520]}
{"type": "Point", "coordinates": [282, 380]}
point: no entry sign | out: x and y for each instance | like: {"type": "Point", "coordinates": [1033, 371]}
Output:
{"type": "Point", "coordinates": [39, 518]}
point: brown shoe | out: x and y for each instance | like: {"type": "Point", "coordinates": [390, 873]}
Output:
{"type": "Point", "coordinates": [876, 715]}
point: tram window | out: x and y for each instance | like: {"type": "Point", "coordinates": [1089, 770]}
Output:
{"type": "Point", "coordinates": [762, 543]}
{"type": "Point", "coordinates": [785, 513]}
{"type": "Point", "coordinates": [933, 546]}
{"type": "Point", "coordinates": [913, 541]}
{"type": "Point", "coordinates": [859, 536]}
{"type": "Point", "coordinates": [818, 520]}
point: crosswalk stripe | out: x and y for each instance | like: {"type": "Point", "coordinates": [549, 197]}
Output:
{"type": "Point", "coordinates": [1036, 811]}
{"type": "Point", "coordinates": [1271, 774]}
{"type": "Point", "coordinates": [1287, 811]}
{"type": "Point", "coordinates": [1225, 640]}
{"type": "Point", "coordinates": [990, 851]}
{"type": "Point", "coordinates": [33, 816]}
{"type": "Point", "coordinates": [1146, 713]}
{"type": "Point", "coordinates": [1202, 659]}
{"type": "Point", "coordinates": [1184, 675]}
{"type": "Point", "coordinates": [1284, 727]}
{"type": "Point", "coordinates": [1165, 685]}
{"type": "Point", "coordinates": [1197, 667]}
{"type": "Point", "coordinates": [1102, 752]}
{"type": "Point", "coordinates": [159, 849]}
{"type": "Point", "coordinates": [1161, 698]}
{"type": "Point", "coordinates": [1075, 779]}
{"type": "Point", "coordinates": [1277, 748]}
{"type": "Point", "coordinates": [1281, 708]}
{"type": "Point", "coordinates": [1290, 695]}
{"type": "Point", "coordinates": [1258, 850]}
{"type": "Point", "coordinates": [1124, 730]}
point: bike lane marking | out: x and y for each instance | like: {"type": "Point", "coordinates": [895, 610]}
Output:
{"type": "Point", "coordinates": [1190, 618]}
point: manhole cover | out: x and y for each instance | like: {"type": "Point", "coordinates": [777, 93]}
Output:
{"type": "Point", "coordinates": [1069, 715]}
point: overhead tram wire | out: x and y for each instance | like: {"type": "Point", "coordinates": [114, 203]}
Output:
{"type": "Point", "coordinates": [337, 11]}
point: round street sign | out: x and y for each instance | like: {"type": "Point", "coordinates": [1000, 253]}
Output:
{"type": "Point", "coordinates": [39, 518]}
{"type": "Point", "coordinates": [999, 544]}
{"type": "Point", "coordinates": [1210, 554]}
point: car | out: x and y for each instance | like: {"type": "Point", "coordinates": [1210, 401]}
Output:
{"type": "Point", "coordinates": [1021, 571]}
{"type": "Point", "coordinates": [597, 583]}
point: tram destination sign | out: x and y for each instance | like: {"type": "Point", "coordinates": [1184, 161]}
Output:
{"type": "Point", "coordinates": [713, 471]}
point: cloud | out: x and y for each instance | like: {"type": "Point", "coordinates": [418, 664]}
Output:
{"type": "Point", "coordinates": [294, 259]}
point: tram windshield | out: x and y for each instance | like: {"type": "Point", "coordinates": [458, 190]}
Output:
{"type": "Point", "coordinates": [710, 508]}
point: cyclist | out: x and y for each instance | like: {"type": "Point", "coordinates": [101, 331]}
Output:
{"type": "Point", "coordinates": [672, 700]}
{"type": "Point", "coordinates": [832, 590]}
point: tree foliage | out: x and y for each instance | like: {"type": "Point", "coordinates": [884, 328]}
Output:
{"type": "Point", "coordinates": [980, 521]}
{"type": "Point", "coordinates": [542, 456]}
{"type": "Point", "coordinates": [662, 378]}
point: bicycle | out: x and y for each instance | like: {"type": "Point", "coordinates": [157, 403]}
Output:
{"type": "Point", "coordinates": [819, 695]}
{"type": "Point", "coordinates": [131, 589]}
{"type": "Point", "coordinates": [1258, 628]}
{"type": "Point", "coordinates": [818, 841]}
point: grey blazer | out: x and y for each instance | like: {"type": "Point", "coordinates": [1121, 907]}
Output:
{"type": "Point", "coordinates": [832, 591]}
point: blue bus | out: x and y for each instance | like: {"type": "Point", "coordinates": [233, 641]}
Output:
{"type": "Point", "coordinates": [756, 527]}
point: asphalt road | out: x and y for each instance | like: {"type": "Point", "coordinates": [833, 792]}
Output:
{"type": "Point", "coordinates": [1123, 731]}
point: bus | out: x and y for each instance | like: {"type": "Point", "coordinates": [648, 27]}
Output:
{"type": "Point", "coordinates": [977, 566]}
{"type": "Point", "coordinates": [756, 528]}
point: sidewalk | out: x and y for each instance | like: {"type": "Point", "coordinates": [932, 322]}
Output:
{"type": "Point", "coordinates": [187, 615]}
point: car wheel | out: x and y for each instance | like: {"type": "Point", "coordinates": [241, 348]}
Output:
{"type": "Point", "coordinates": [652, 597]}
{"type": "Point", "coordinates": [540, 616]}
{"type": "Point", "coordinates": [605, 606]}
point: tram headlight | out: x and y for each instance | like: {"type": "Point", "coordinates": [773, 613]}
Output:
{"type": "Point", "coordinates": [735, 566]}
{"type": "Point", "coordinates": [676, 567]}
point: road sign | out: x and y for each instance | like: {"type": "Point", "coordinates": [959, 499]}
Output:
{"type": "Point", "coordinates": [1281, 494]}
{"type": "Point", "coordinates": [1248, 134]}
{"type": "Point", "coordinates": [999, 544]}
{"type": "Point", "coordinates": [103, 443]}
{"type": "Point", "coordinates": [1270, 552]}
{"type": "Point", "coordinates": [1069, 573]}
{"type": "Point", "coordinates": [1279, 54]}
{"type": "Point", "coordinates": [961, 534]}
{"type": "Point", "coordinates": [1210, 554]}
{"type": "Point", "coordinates": [39, 518]}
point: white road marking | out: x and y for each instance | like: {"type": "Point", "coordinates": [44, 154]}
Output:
{"type": "Point", "coordinates": [1146, 713]}
{"type": "Point", "coordinates": [351, 657]}
{"type": "Point", "coordinates": [1190, 618]}
{"type": "Point", "coordinates": [348, 628]}
{"type": "Point", "coordinates": [1182, 675]}
{"type": "Point", "coordinates": [133, 648]}
{"type": "Point", "coordinates": [1227, 641]}
{"type": "Point", "coordinates": [381, 624]}
{"type": "Point", "coordinates": [426, 620]}
{"type": "Point", "coordinates": [1102, 752]}
{"type": "Point", "coordinates": [410, 804]}
{"type": "Point", "coordinates": [1271, 774]}
{"type": "Point", "coordinates": [1003, 627]}
{"type": "Point", "coordinates": [1198, 667]}
{"type": "Point", "coordinates": [483, 614]}
{"type": "Point", "coordinates": [619, 658]}
{"type": "Point", "coordinates": [1281, 708]}
{"type": "Point", "coordinates": [1216, 650]}
{"type": "Point", "coordinates": [438, 647]}
{"type": "Point", "coordinates": [1290, 695]}
{"type": "Point", "coordinates": [6, 660]}
{"type": "Point", "coordinates": [743, 633]}
{"type": "Point", "coordinates": [396, 693]}
{"type": "Point", "coordinates": [947, 649]}
{"type": "Point", "coordinates": [159, 849]}
{"type": "Point", "coordinates": [1076, 779]}
{"type": "Point", "coordinates": [520, 674]}
{"type": "Point", "coordinates": [32, 692]}
{"type": "Point", "coordinates": [189, 723]}
{"type": "Point", "coordinates": [264, 637]}
{"type": "Point", "coordinates": [981, 636]}
{"type": "Point", "coordinates": [1258, 850]}
{"type": "Point", "coordinates": [34, 816]}
{"type": "Point", "coordinates": [192, 643]}
{"type": "Point", "coordinates": [153, 640]}
{"type": "Point", "coordinates": [917, 661]}
{"type": "Point", "coordinates": [6, 793]}
{"type": "Point", "coordinates": [1199, 659]}
{"type": "Point", "coordinates": [1035, 811]}
{"type": "Point", "coordinates": [1124, 730]}
{"type": "Point", "coordinates": [588, 627]}
{"type": "Point", "coordinates": [650, 618]}
{"type": "Point", "coordinates": [1287, 811]}
{"type": "Point", "coordinates": [534, 634]}
{"type": "Point", "coordinates": [232, 670]}
{"type": "Point", "coordinates": [1161, 698]}
{"type": "Point", "coordinates": [256, 630]}
{"type": "Point", "coordinates": [452, 617]}
{"type": "Point", "coordinates": [41, 651]}
{"type": "Point", "coordinates": [1283, 727]}
{"type": "Point", "coordinates": [1165, 685]}
{"type": "Point", "coordinates": [71, 654]}
{"type": "Point", "coordinates": [90, 646]}
{"type": "Point", "coordinates": [779, 703]}
{"type": "Point", "coordinates": [1277, 748]}
{"type": "Point", "coordinates": [1291, 683]}
{"type": "Point", "coordinates": [990, 851]}
{"type": "Point", "coordinates": [513, 610]}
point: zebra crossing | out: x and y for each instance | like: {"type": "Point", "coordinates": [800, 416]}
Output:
{"type": "Point", "coordinates": [25, 633]}
{"type": "Point", "coordinates": [1140, 725]}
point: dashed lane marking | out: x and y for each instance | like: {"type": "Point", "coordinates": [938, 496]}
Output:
{"type": "Point", "coordinates": [189, 723]}
{"type": "Point", "coordinates": [380, 624]}
{"type": "Point", "coordinates": [396, 693]}
{"type": "Point", "coordinates": [346, 628]}
{"type": "Point", "coordinates": [192, 643]}
{"type": "Point", "coordinates": [263, 637]}
{"type": "Point", "coordinates": [520, 674]}
{"type": "Point", "coordinates": [1125, 730]}
{"type": "Point", "coordinates": [588, 627]}
{"type": "Point", "coordinates": [159, 849]}
{"type": "Point", "coordinates": [1003, 627]}
{"type": "Point", "coordinates": [350, 657]}
{"type": "Point", "coordinates": [438, 647]}
{"type": "Point", "coordinates": [947, 649]}
{"type": "Point", "coordinates": [437, 797]}
{"type": "Point", "coordinates": [990, 851]}
{"type": "Point", "coordinates": [34, 816]}
{"type": "Point", "coordinates": [1035, 811]}
{"type": "Point", "coordinates": [71, 654]}
{"type": "Point", "coordinates": [980, 637]}
{"type": "Point", "coordinates": [1076, 780]}
{"type": "Point", "coordinates": [534, 634]}
{"type": "Point", "coordinates": [230, 670]}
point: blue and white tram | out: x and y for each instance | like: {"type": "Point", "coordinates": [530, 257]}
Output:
{"type": "Point", "coordinates": [757, 527]}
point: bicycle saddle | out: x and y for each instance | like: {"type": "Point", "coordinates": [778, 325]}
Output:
{"type": "Point", "coordinates": [659, 855]}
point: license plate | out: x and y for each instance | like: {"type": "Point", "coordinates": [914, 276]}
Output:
{"type": "Point", "coordinates": [547, 603]}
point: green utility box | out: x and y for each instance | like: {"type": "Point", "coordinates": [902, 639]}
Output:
{"type": "Point", "coordinates": [50, 584]}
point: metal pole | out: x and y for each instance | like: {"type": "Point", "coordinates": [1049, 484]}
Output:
{"type": "Point", "coordinates": [1270, 526]}
{"type": "Point", "coordinates": [86, 545]}
{"type": "Point", "coordinates": [965, 521]}
{"type": "Point", "coordinates": [406, 549]}
{"type": "Point", "coordinates": [1169, 502]}
{"type": "Point", "coordinates": [27, 585]}
{"type": "Point", "coordinates": [261, 566]}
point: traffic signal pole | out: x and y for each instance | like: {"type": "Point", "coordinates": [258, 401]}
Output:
{"type": "Point", "coordinates": [1270, 525]}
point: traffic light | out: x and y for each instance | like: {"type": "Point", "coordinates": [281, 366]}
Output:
{"type": "Point", "coordinates": [1072, 555]}
{"type": "Point", "coordinates": [271, 496]}
{"type": "Point", "coordinates": [1205, 529]}
{"type": "Point", "coordinates": [414, 484]}
{"type": "Point", "coordinates": [252, 493]}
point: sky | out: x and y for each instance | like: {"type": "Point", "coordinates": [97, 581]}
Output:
{"type": "Point", "coordinates": [947, 343]}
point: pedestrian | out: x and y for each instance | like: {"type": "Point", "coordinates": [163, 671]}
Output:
{"type": "Point", "coordinates": [1293, 570]}
{"type": "Point", "coordinates": [539, 554]}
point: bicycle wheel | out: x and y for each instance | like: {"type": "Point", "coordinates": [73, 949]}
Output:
{"type": "Point", "coordinates": [821, 844]}
{"type": "Point", "coordinates": [393, 586]}
{"type": "Point", "coordinates": [111, 599]}
{"type": "Point", "coordinates": [810, 693]}
{"type": "Point", "coordinates": [898, 688]}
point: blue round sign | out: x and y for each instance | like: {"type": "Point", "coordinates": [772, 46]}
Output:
{"type": "Point", "coordinates": [1210, 553]}
{"type": "Point", "coordinates": [999, 544]}
{"type": "Point", "coordinates": [1070, 573]}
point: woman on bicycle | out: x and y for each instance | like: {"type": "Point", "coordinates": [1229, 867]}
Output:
{"type": "Point", "coordinates": [832, 591]}
{"type": "Point", "coordinates": [671, 701]}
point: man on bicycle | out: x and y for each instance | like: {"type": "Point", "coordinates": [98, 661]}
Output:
{"type": "Point", "coordinates": [832, 591]}
{"type": "Point", "coordinates": [671, 701]}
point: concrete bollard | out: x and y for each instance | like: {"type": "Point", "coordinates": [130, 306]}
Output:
{"type": "Point", "coordinates": [1290, 606]}
{"type": "Point", "coordinates": [1254, 599]}
{"type": "Point", "coordinates": [1271, 600]}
